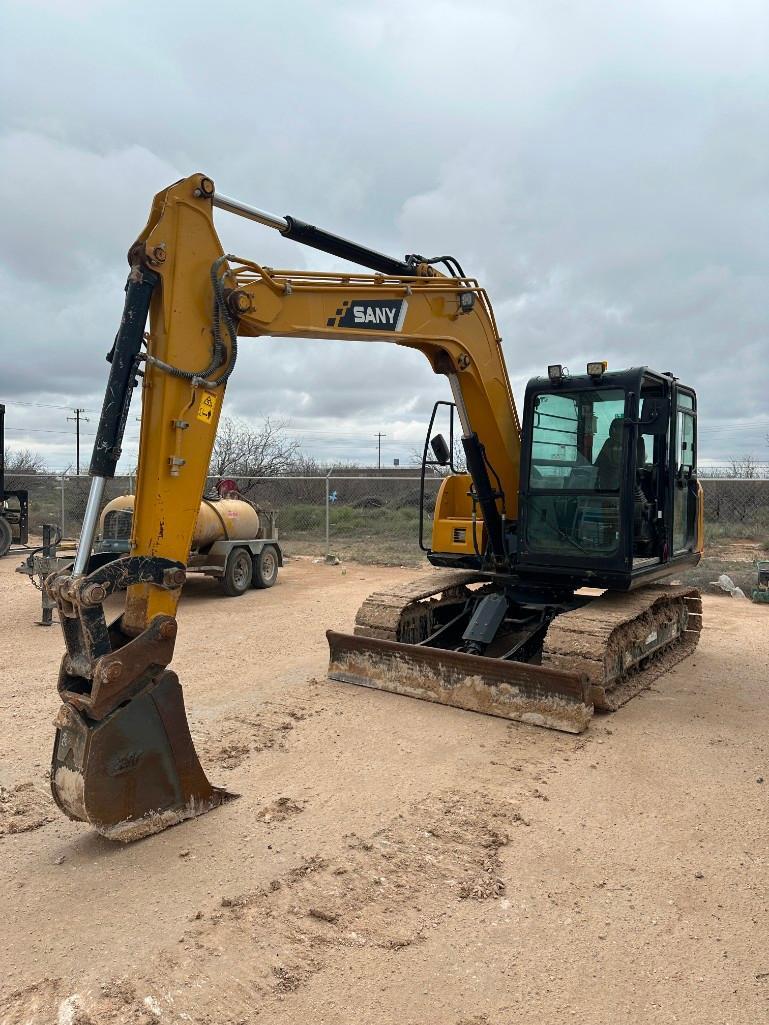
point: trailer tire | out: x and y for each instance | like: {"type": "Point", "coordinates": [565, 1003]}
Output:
{"type": "Point", "coordinates": [265, 568]}
{"type": "Point", "coordinates": [6, 536]}
{"type": "Point", "coordinates": [238, 573]}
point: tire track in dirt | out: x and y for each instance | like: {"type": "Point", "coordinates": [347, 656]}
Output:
{"type": "Point", "coordinates": [24, 807]}
{"type": "Point", "coordinates": [234, 738]}
{"type": "Point", "coordinates": [387, 891]}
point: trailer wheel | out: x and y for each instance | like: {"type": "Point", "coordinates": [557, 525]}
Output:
{"type": "Point", "coordinates": [237, 573]}
{"type": "Point", "coordinates": [6, 536]}
{"type": "Point", "coordinates": [265, 567]}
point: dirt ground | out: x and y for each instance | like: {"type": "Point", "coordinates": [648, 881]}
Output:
{"type": "Point", "coordinates": [736, 557]}
{"type": "Point", "coordinates": [390, 861]}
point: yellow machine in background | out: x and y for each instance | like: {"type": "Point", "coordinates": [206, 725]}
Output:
{"type": "Point", "coordinates": [597, 485]}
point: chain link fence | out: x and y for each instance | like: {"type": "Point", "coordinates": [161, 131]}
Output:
{"type": "Point", "coordinates": [365, 518]}
{"type": "Point", "coordinates": [60, 498]}
{"type": "Point", "coordinates": [736, 507]}
{"type": "Point", "coordinates": [369, 518]}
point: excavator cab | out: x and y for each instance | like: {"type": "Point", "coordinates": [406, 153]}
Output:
{"type": "Point", "coordinates": [609, 491]}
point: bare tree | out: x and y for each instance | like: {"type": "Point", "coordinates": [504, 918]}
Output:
{"type": "Point", "coordinates": [23, 461]}
{"type": "Point", "coordinates": [308, 466]}
{"type": "Point", "coordinates": [242, 450]}
{"type": "Point", "coordinates": [744, 468]}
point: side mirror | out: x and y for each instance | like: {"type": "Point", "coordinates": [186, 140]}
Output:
{"type": "Point", "coordinates": [440, 450]}
{"type": "Point", "coordinates": [655, 416]}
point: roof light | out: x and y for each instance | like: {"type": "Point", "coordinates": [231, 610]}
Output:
{"type": "Point", "coordinates": [597, 369]}
{"type": "Point", "coordinates": [555, 373]}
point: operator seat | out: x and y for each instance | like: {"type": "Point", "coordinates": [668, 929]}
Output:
{"type": "Point", "coordinates": [609, 459]}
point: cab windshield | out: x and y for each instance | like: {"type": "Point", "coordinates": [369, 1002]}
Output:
{"type": "Point", "coordinates": [576, 473]}
{"type": "Point", "coordinates": [577, 440]}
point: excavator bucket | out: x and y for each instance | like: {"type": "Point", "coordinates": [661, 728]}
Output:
{"type": "Point", "coordinates": [135, 772]}
{"type": "Point", "coordinates": [123, 758]}
{"type": "Point", "coordinates": [527, 693]}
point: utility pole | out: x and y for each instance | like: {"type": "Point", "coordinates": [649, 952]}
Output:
{"type": "Point", "coordinates": [77, 418]}
{"type": "Point", "coordinates": [379, 447]}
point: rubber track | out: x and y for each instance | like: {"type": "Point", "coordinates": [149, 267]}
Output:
{"type": "Point", "coordinates": [380, 614]}
{"type": "Point", "coordinates": [589, 639]}
{"type": "Point", "coordinates": [584, 640]}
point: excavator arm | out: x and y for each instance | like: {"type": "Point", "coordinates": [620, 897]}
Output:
{"type": "Point", "coordinates": [202, 299]}
{"type": "Point", "coordinates": [123, 757]}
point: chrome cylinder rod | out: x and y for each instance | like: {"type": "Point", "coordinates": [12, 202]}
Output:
{"type": "Point", "coordinates": [88, 530]}
{"type": "Point", "coordinates": [299, 231]}
{"type": "Point", "coordinates": [234, 206]}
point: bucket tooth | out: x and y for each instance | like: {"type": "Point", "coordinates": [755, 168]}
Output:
{"type": "Point", "coordinates": [511, 690]}
{"type": "Point", "coordinates": [134, 772]}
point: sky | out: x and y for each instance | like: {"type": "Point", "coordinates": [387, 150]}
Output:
{"type": "Point", "coordinates": [602, 168]}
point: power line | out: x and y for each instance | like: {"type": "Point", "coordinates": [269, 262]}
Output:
{"type": "Point", "coordinates": [737, 429]}
{"type": "Point", "coordinates": [362, 435]}
{"type": "Point", "coordinates": [45, 430]}
{"type": "Point", "coordinates": [51, 430]}
{"type": "Point", "coordinates": [41, 405]}
{"type": "Point", "coordinates": [331, 433]}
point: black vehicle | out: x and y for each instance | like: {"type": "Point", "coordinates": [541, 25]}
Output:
{"type": "Point", "coordinates": [14, 504]}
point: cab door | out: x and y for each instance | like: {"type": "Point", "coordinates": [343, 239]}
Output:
{"type": "Point", "coordinates": [685, 473]}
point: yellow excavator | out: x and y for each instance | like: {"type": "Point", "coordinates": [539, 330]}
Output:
{"type": "Point", "coordinates": [551, 548]}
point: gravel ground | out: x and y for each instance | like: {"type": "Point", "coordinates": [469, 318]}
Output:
{"type": "Point", "coordinates": [390, 861]}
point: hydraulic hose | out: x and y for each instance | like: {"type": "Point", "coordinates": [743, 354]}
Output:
{"type": "Point", "coordinates": [219, 353]}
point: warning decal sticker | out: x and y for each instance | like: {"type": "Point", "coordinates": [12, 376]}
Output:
{"type": "Point", "coordinates": [206, 408]}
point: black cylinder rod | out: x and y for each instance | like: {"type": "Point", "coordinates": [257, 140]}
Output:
{"type": "Point", "coordinates": [122, 375]}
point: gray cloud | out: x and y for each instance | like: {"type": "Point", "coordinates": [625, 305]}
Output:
{"type": "Point", "coordinates": [602, 169]}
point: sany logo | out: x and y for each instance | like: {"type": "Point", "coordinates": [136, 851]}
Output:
{"type": "Point", "coordinates": [370, 314]}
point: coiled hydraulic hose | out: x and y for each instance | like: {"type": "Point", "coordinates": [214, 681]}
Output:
{"type": "Point", "coordinates": [219, 353]}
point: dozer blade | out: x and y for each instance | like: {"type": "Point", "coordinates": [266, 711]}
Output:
{"type": "Point", "coordinates": [134, 772]}
{"type": "Point", "coordinates": [512, 690]}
